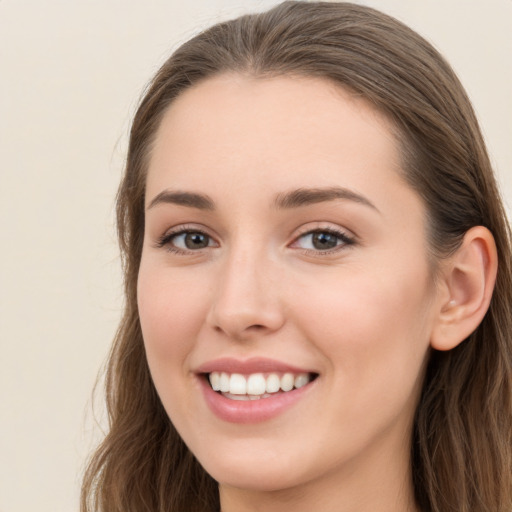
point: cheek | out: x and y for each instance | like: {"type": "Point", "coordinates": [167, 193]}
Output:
{"type": "Point", "coordinates": [171, 312]}
{"type": "Point", "coordinates": [171, 315]}
{"type": "Point", "coordinates": [372, 330]}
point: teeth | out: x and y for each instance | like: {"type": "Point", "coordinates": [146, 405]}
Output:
{"type": "Point", "coordinates": [256, 385]}
{"type": "Point", "coordinates": [237, 384]}
{"type": "Point", "coordinates": [301, 380]}
{"type": "Point", "coordinates": [215, 381]}
{"type": "Point", "coordinates": [245, 398]}
{"type": "Point", "coordinates": [287, 382]}
{"type": "Point", "coordinates": [273, 383]}
{"type": "Point", "coordinates": [223, 382]}
{"type": "Point", "coordinates": [242, 398]}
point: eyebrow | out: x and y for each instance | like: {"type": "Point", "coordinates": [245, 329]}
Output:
{"type": "Point", "coordinates": [307, 196]}
{"type": "Point", "coordinates": [283, 201]}
{"type": "Point", "coordinates": [190, 199]}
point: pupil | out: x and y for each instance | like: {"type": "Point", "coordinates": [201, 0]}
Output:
{"type": "Point", "coordinates": [196, 241]}
{"type": "Point", "coordinates": [324, 241]}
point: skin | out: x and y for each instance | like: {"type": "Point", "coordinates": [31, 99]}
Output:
{"type": "Point", "coordinates": [360, 315]}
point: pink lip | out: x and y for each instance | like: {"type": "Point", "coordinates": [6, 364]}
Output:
{"type": "Point", "coordinates": [245, 367]}
{"type": "Point", "coordinates": [249, 411]}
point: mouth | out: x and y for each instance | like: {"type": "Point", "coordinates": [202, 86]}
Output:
{"type": "Point", "coordinates": [254, 390]}
{"type": "Point", "coordinates": [256, 386]}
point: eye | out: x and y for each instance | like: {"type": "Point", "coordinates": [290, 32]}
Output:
{"type": "Point", "coordinates": [323, 240]}
{"type": "Point", "coordinates": [186, 240]}
{"type": "Point", "coordinates": [191, 240]}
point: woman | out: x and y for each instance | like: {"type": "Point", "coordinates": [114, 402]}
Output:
{"type": "Point", "coordinates": [315, 318]}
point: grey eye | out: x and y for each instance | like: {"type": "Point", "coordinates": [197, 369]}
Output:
{"type": "Point", "coordinates": [191, 240]}
{"type": "Point", "coordinates": [319, 240]}
{"type": "Point", "coordinates": [324, 240]}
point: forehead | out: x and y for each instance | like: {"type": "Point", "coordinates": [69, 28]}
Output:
{"type": "Point", "coordinates": [256, 134]}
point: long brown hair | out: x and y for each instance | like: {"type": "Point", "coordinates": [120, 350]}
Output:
{"type": "Point", "coordinates": [461, 455]}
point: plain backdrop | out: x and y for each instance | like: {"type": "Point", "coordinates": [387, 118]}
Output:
{"type": "Point", "coordinates": [71, 73]}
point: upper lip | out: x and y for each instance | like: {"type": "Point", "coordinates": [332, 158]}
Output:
{"type": "Point", "coordinates": [248, 366]}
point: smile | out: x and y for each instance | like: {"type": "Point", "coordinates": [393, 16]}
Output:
{"type": "Point", "coordinates": [254, 390]}
{"type": "Point", "coordinates": [255, 386]}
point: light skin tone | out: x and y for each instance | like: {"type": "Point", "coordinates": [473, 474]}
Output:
{"type": "Point", "coordinates": [336, 280]}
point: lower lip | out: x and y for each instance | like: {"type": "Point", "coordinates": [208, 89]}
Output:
{"type": "Point", "coordinates": [251, 411]}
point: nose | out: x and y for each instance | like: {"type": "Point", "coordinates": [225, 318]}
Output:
{"type": "Point", "coordinates": [246, 301]}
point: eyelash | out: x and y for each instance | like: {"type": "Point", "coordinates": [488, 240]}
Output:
{"type": "Point", "coordinates": [166, 239]}
{"type": "Point", "coordinates": [346, 240]}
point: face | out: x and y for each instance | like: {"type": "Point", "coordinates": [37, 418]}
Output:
{"type": "Point", "coordinates": [285, 259]}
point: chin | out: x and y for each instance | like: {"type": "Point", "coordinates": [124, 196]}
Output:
{"type": "Point", "coordinates": [264, 475]}
{"type": "Point", "coordinates": [255, 480]}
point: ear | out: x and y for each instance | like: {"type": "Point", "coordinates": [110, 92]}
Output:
{"type": "Point", "coordinates": [466, 287]}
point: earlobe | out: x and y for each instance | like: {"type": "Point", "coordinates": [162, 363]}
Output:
{"type": "Point", "coordinates": [468, 280]}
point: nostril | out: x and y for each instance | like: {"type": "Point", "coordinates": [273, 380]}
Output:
{"type": "Point", "coordinates": [242, 322]}
{"type": "Point", "coordinates": [251, 328]}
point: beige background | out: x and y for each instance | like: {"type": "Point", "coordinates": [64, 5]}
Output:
{"type": "Point", "coordinates": [70, 76]}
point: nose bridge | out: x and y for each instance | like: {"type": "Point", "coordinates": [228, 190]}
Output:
{"type": "Point", "coordinates": [246, 299]}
